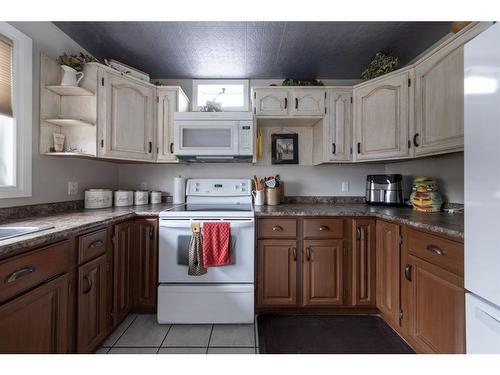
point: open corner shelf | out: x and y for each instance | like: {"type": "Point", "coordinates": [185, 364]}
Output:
{"type": "Point", "coordinates": [68, 122]}
{"type": "Point", "coordinates": [69, 90]}
{"type": "Point", "coordinates": [79, 154]}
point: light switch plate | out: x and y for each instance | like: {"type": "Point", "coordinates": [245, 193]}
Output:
{"type": "Point", "coordinates": [72, 188]}
{"type": "Point", "coordinates": [345, 186]}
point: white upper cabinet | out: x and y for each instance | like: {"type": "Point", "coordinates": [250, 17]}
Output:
{"type": "Point", "coordinates": [338, 125]}
{"type": "Point", "coordinates": [308, 102]}
{"type": "Point", "coordinates": [381, 117]}
{"type": "Point", "coordinates": [271, 102]}
{"type": "Point", "coordinates": [169, 100]}
{"type": "Point", "coordinates": [126, 118]}
{"type": "Point", "coordinates": [439, 103]}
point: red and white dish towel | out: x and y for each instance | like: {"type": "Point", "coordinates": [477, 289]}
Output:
{"type": "Point", "coordinates": [216, 244]}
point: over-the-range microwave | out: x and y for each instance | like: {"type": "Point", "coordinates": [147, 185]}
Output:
{"type": "Point", "coordinates": [214, 136]}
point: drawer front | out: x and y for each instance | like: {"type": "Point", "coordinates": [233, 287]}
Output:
{"type": "Point", "coordinates": [27, 271]}
{"type": "Point", "coordinates": [277, 228]}
{"type": "Point", "coordinates": [323, 228]}
{"type": "Point", "coordinates": [437, 250]}
{"type": "Point", "coordinates": [91, 245]}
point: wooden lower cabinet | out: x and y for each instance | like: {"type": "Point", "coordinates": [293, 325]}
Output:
{"type": "Point", "coordinates": [388, 251]}
{"type": "Point", "coordinates": [277, 273]}
{"type": "Point", "coordinates": [92, 305]}
{"type": "Point", "coordinates": [436, 308]}
{"type": "Point", "coordinates": [122, 250]}
{"type": "Point", "coordinates": [364, 262]}
{"type": "Point", "coordinates": [322, 272]}
{"type": "Point", "coordinates": [36, 322]}
{"type": "Point", "coordinates": [145, 264]}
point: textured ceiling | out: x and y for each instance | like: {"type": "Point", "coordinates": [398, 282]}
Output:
{"type": "Point", "coordinates": [327, 50]}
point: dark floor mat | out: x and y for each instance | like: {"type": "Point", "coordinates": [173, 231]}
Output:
{"type": "Point", "coordinates": [338, 334]}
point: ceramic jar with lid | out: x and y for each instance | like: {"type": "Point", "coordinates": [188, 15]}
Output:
{"type": "Point", "coordinates": [98, 198]}
{"type": "Point", "coordinates": [124, 198]}
{"type": "Point", "coordinates": [141, 197]}
{"type": "Point", "coordinates": [155, 197]}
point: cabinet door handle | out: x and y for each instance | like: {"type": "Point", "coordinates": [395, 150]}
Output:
{"type": "Point", "coordinates": [294, 253]}
{"type": "Point", "coordinates": [21, 272]}
{"type": "Point", "coordinates": [415, 143]}
{"type": "Point", "coordinates": [296, 103]}
{"type": "Point", "coordinates": [277, 228]}
{"type": "Point", "coordinates": [359, 147]}
{"type": "Point", "coordinates": [324, 228]}
{"type": "Point", "coordinates": [95, 243]}
{"type": "Point", "coordinates": [150, 146]}
{"type": "Point", "coordinates": [150, 233]}
{"type": "Point", "coordinates": [286, 102]}
{"type": "Point", "coordinates": [435, 249]}
{"type": "Point", "coordinates": [334, 148]}
{"type": "Point", "coordinates": [171, 147]}
{"type": "Point", "coordinates": [89, 283]}
{"type": "Point", "coordinates": [308, 253]}
{"type": "Point", "coordinates": [408, 272]}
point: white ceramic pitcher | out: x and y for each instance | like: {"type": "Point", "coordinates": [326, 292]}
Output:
{"type": "Point", "coordinates": [259, 197]}
{"type": "Point", "coordinates": [70, 76]}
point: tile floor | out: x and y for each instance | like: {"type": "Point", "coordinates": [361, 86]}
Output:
{"type": "Point", "coordinates": [141, 334]}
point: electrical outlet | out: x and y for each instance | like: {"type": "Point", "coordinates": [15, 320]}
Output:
{"type": "Point", "coordinates": [72, 188]}
{"type": "Point", "coordinates": [144, 185]}
{"type": "Point", "coordinates": [345, 186]}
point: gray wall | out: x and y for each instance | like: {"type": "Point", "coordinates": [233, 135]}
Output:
{"type": "Point", "coordinates": [50, 174]}
{"type": "Point", "coordinates": [448, 169]}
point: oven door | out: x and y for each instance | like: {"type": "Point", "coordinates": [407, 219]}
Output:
{"type": "Point", "coordinates": [175, 236]}
{"type": "Point", "coordinates": [206, 138]}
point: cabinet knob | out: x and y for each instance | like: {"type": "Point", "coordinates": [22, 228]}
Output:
{"type": "Point", "coordinates": [408, 272]}
{"type": "Point", "coordinates": [286, 103]}
{"type": "Point", "coordinates": [150, 146]}
{"type": "Point", "coordinates": [88, 283]}
{"type": "Point", "coordinates": [435, 249]}
{"type": "Point", "coordinates": [171, 147]}
{"type": "Point", "coordinates": [308, 253]}
{"type": "Point", "coordinates": [277, 228]}
{"type": "Point", "coordinates": [296, 103]}
{"type": "Point", "coordinates": [415, 143]}
{"type": "Point", "coordinates": [334, 148]}
{"type": "Point", "coordinates": [294, 253]}
{"type": "Point", "coordinates": [324, 228]}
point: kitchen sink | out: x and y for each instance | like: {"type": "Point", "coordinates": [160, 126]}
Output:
{"type": "Point", "coordinates": [12, 231]}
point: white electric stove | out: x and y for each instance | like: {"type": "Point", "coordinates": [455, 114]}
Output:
{"type": "Point", "coordinates": [224, 294]}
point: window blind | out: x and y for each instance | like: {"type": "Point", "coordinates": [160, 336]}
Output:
{"type": "Point", "coordinates": [5, 77]}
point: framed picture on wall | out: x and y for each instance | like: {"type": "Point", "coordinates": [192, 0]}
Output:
{"type": "Point", "coordinates": [285, 148]}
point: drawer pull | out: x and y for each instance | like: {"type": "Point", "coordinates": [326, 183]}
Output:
{"type": "Point", "coordinates": [277, 228]}
{"type": "Point", "coordinates": [96, 243]}
{"type": "Point", "coordinates": [88, 282]}
{"type": "Point", "coordinates": [408, 272]}
{"type": "Point", "coordinates": [294, 252]}
{"type": "Point", "coordinates": [435, 249]}
{"type": "Point", "coordinates": [19, 273]}
{"type": "Point", "coordinates": [324, 228]}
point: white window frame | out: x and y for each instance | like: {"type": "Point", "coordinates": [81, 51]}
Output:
{"type": "Point", "coordinates": [246, 92]}
{"type": "Point", "coordinates": [22, 91]}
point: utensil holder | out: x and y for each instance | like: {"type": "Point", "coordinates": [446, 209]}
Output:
{"type": "Point", "coordinates": [273, 196]}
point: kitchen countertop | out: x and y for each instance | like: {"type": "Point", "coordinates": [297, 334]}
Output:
{"type": "Point", "coordinates": [65, 223]}
{"type": "Point", "coordinates": [438, 222]}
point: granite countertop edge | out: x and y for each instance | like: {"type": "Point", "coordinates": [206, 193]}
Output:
{"type": "Point", "coordinates": [450, 225]}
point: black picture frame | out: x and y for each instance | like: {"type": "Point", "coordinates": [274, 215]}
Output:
{"type": "Point", "coordinates": [283, 142]}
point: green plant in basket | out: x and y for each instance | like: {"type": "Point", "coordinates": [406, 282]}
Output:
{"type": "Point", "coordinates": [381, 64]}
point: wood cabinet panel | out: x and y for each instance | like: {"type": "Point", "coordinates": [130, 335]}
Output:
{"type": "Point", "coordinates": [322, 273]}
{"type": "Point", "coordinates": [271, 102]}
{"type": "Point", "coordinates": [381, 118]}
{"type": "Point", "coordinates": [339, 125]}
{"type": "Point", "coordinates": [388, 275]}
{"type": "Point", "coordinates": [323, 228]}
{"type": "Point", "coordinates": [277, 228]}
{"type": "Point", "coordinates": [439, 102]}
{"type": "Point", "coordinates": [123, 242]}
{"type": "Point", "coordinates": [308, 102]}
{"type": "Point", "coordinates": [364, 262]}
{"type": "Point", "coordinates": [92, 305]}
{"type": "Point", "coordinates": [145, 264]}
{"type": "Point", "coordinates": [437, 250]}
{"type": "Point", "coordinates": [436, 308]}
{"type": "Point", "coordinates": [36, 322]}
{"type": "Point", "coordinates": [126, 118]}
{"type": "Point", "coordinates": [277, 273]}
{"type": "Point", "coordinates": [28, 270]}
{"type": "Point", "coordinates": [91, 245]}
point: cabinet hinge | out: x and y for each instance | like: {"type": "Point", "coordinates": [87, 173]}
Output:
{"type": "Point", "coordinates": [157, 150]}
{"type": "Point", "coordinates": [351, 150]}
{"type": "Point", "coordinates": [102, 81]}
{"type": "Point", "coordinates": [351, 99]}
{"type": "Point", "coordinates": [113, 239]}
{"type": "Point", "coordinates": [409, 82]}
{"type": "Point", "coordinates": [400, 239]}
{"type": "Point", "coordinates": [157, 99]}
{"type": "Point", "coordinates": [401, 314]}
{"type": "Point", "coordinates": [345, 251]}
{"type": "Point", "coordinates": [254, 110]}
{"type": "Point", "coordinates": [409, 143]}
{"type": "Point", "coordinates": [325, 110]}
{"type": "Point", "coordinates": [325, 94]}
{"type": "Point", "coordinates": [255, 94]}
{"type": "Point", "coordinates": [102, 143]}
